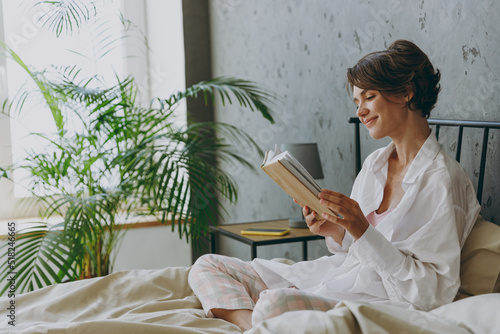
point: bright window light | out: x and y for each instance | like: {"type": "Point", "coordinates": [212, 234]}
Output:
{"type": "Point", "coordinates": [40, 49]}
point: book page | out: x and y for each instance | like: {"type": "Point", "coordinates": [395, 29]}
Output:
{"type": "Point", "coordinates": [294, 166]}
{"type": "Point", "coordinates": [273, 156]}
{"type": "Point", "coordinates": [302, 174]}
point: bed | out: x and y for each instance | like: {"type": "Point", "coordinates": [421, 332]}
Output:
{"type": "Point", "coordinates": [161, 301]}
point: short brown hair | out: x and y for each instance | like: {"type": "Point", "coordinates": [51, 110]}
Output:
{"type": "Point", "coordinates": [400, 69]}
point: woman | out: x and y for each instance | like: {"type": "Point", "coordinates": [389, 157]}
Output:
{"type": "Point", "coordinates": [399, 236]}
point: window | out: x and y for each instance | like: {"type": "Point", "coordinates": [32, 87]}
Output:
{"type": "Point", "coordinates": [41, 49]}
{"type": "Point", "coordinates": [161, 22]}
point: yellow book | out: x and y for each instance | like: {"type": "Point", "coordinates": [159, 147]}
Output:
{"type": "Point", "coordinates": [265, 231]}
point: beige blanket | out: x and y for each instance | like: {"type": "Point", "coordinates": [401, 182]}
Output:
{"type": "Point", "coordinates": [160, 301]}
{"type": "Point", "coordinates": [137, 301]}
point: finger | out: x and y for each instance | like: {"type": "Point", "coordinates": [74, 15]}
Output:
{"type": "Point", "coordinates": [332, 196]}
{"type": "Point", "coordinates": [355, 228]}
{"type": "Point", "coordinates": [328, 216]}
{"type": "Point", "coordinates": [342, 205]}
{"type": "Point", "coordinates": [336, 220]}
{"type": "Point", "coordinates": [315, 224]}
{"type": "Point", "coordinates": [313, 218]}
{"type": "Point", "coordinates": [337, 208]}
{"type": "Point", "coordinates": [329, 192]}
{"type": "Point", "coordinates": [310, 217]}
{"type": "Point", "coordinates": [305, 211]}
{"type": "Point", "coordinates": [342, 221]}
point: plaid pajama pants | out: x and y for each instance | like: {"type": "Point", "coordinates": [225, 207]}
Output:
{"type": "Point", "coordinates": [230, 283]}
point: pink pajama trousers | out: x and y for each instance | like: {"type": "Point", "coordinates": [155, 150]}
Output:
{"type": "Point", "coordinates": [232, 284]}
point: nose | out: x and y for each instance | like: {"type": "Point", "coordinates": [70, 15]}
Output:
{"type": "Point", "coordinates": [362, 110]}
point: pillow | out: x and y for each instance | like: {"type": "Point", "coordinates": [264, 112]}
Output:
{"type": "Point", "coordinates": [480, 260]}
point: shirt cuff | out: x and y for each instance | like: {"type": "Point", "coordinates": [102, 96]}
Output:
{"type": "Point", "coordinates": [334, 247]}
{"type": "Point", "coordinates": [373, 250]}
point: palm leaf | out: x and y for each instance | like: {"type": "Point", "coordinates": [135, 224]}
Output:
{"type": "Point", "coordinates": [41, 83]}
{"type": "Point", "coordinates": [3, 173]}
{"type": "Point", "coordinates": [157, 169]}
{"type": "Point", "coordinates": [38, 250]}
{"type": "Point", "coordinates": [246, 92]}
{"type": "Point", "coordinates": [66, 15]}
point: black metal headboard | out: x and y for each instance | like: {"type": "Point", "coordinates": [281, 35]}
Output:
{"type": "Point", "coordinates": [485, 125]}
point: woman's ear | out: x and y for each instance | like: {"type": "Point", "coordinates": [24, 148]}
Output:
{"type": "Point", "coordinates": [409, 94]}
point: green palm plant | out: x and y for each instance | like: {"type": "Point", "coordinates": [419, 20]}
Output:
{"type": "Point", "coordinates": [123, 160]}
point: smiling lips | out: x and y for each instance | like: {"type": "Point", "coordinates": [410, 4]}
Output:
{"type": "Point", "coordinates": [369, 121]}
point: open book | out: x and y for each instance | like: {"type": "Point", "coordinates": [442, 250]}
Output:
{"type": "Point", "coordinates": [294, 179]}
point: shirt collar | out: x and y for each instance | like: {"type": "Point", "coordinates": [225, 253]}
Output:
{"type": "Point", "coordinates": [425, 155]}
{"type": "Point", "coordinates": [382, 159]}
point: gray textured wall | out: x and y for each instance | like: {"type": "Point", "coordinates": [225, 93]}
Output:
{"type": "Point", "coordinates": [300, 50]}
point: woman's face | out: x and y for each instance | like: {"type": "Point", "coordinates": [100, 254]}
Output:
{"type": "Point", "coordinates": [381, 116]}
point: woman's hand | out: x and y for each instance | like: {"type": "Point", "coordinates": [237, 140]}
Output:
{"type": "Point", "coordinates": [323, 227]}
{"type": "Point", "coordinates": [353, 219]}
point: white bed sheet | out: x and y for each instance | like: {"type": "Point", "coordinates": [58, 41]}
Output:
{"type": "Point", "coordinates": [161, 301]}
{"type": "Point", "coordinates": [478, 315]}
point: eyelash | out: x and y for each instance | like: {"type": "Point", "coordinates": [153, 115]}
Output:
{"type": "Point", "coordinates": [368, 98]}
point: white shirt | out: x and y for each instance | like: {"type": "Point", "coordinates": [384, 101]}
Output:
{"type": "Point", "coordinates": [412, 258]}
